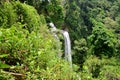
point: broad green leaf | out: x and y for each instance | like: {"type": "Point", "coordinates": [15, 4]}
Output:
{"type": "Point", "coordinates": [3, 55]}
{"type": "Point", "coordinates": [4, 65]}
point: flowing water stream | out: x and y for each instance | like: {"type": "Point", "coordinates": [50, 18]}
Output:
{"type": "Point", "coordinates": [67, 43]}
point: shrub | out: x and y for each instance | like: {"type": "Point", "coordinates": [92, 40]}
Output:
{"type": "Point", "coordinates": [13, 42]}
{"type": "Point", "coordinates": [8, 16]}
{"type": "Point", "coordinates": [11, 13]}
{"type": "Point", "coordinates": [80, 50]}
{"type": "Point", "coordinates": [102, 41]}
{"type": "Point", "coordinates": [34, 55]}
{"type": "Point", "coordinates": [100, 69]}
{"type": "Point", "coordinates": [4, 76]}
{"type": "Point", "coordinates": [28, 15]}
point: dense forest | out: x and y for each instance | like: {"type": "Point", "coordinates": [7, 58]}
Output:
{"type": "Point", "coordinates": [29, 50]}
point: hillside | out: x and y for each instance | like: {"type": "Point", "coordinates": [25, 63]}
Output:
{"type": "Point", "coordinates": [59, 40]}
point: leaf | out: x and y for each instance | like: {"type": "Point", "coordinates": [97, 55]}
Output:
{"type": "Point", "coordinates": [3, 55]}
{"type": "Point", "coordinates": [4, 65]}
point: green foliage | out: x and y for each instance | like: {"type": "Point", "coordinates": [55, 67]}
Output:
{"type": "Point", "coordinates": [13, 42]}
{"type": "Point", "coordinates": [80, 49]}
{"type": "Point", "coordinates": [55, 12]}
{"type": "Point", "coordinates": [2, 65]}
{"type": "Point", "coordinates": [118, 47]}
{"type": "Point", "coordinates": [75, 21]}
{"type": "Point", "coordinates": [61, 70]}
{"type": "Point", "coordinates": [4, 76]}
{"type": "Point", "coordinates": [102, 41]}
{"type": "Point", "coordinates": [11, 13]}
{"type": "Point", "coordinates": [79, 14]}
{"type": "Point", "coordinates": [32, 50]}
{"type": "Point", "coordinates": [8, 16]}
{"type": "Point", "coordinates": [35, 54]}
{"type": "Point", "coordinates": [111, 24]}
{"type": "Point", "coordinates": [93, 66]}
{"type": "Point", "coordinates": [52, 10]}
{"type": "Point", "coordinates": [28, 15]}
{"type": "Point", "coordinates": [100, 69]}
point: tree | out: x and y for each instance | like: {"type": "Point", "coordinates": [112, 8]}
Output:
{"type": "Point", "coordinates": [102, 40]}
{"type": "Point", "coordinates": [52, 9]}
{"type": "Point", "coordinates": [74, 20]}
{"type": "Point", "coordinates": [80, 49]}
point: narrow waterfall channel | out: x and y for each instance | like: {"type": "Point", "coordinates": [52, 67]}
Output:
{"type": "Point", "coordinates": [67, 42]}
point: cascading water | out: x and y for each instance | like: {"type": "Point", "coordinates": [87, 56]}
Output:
{"type": "Point", "coordinates": [53, 30]}
{"type": "Point", "coordinates": [67, 42]}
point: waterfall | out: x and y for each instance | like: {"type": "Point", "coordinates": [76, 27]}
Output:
{"type": "Point", "coordinates": [53, 30]}
{"type": "Point", "coordinates": [67, 43]}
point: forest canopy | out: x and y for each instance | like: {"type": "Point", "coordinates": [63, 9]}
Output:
{"type": "Point", "coordinates": [29, 51]}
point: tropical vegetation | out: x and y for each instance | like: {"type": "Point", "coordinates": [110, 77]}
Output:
{"type": "Point", "coordinates": [28, 50]}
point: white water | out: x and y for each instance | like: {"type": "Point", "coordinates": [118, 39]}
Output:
{"type": "Point", "coordinates": [52, 26]}
{"type": "Point", "coordinates": [54, 29]}
{"type": "Point", "coordinates": [67, 43]}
